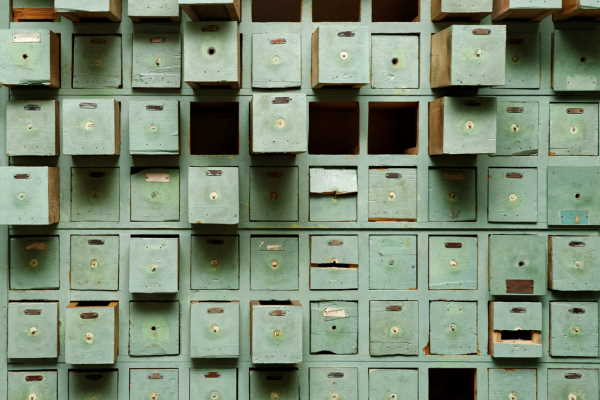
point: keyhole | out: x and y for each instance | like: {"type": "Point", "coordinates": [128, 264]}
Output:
{"type": "Point", "coordinates": [25, 56]}
{"type": "Point", "coordinates": [577, 195]}
{"type": "Point", "coordinates": [521, 264]}
{"type": "Point", "coordinates": [153, 328]}
{"type": "Point", "coordinates": [211, 51]}
{"type": "Point", "coordinates": [395, 61]}
{"type": "Point", "coordinates": [333, 327]}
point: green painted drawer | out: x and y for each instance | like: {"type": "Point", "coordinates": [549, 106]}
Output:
{"type": "Point", "coordinates": [153, 9]}
{"type": "Point", "coordinates": [94, 262]}
{"type": "Point", "coordinates": [516, 329]}
{"type": "Point", "coordinates": [464, 55]}
{"type": "Point", "coordinates": [30, 196]}
{"type": "Point", "coordinates": [334, 250]}
{"type": "Point", "coordinates": [452, 262]}
{"type": "Point", "coordinates": [462, 125]}
{"type": "Point", "coordinates": [392, 194]}
{"type": "Point", "coordinates": [91, 127]}
{"type": "Point", "coordinates": [32, 330]}
{"type": "Point", "coordinates": [523, 60]}
{"type": "Point", "coordinates": [97, 62]}
{"type": "Point", "coordinates": [29, 57]}
{"type": "Point", "coordinates": [341, 56]}
{"type": "Point", "coordinates": [333, 194]}
{"type": "Point", "coordinates": [393, 262]}
{"type": "Point", "coordinates": [211, 9]}
{"type": "Point", "coordinates": [518, 128]}
{"type": "Point", "coordinates": [95, 194]}
{"type": "Point", "coordinates": [34, 128]}
{"type": "Point", "coordinates": [216, 47]}
{"type": "Point", "coordinates": [573, 201]}
{"type": "Point", "coordinates": [215, 384]}
{"type": "Point", "coordinates": [38, 385]}
{"type": "Point", "coordinates": [575, 61]}
{"type": "Point", "coordinates": [154, 384]}
{"type": "Point", "coordinates": [154, 127]}
{"type": "Point", "coordinates": [512, 383]}
{"type": "Point", "coordinates": [154, 265]}
{"type": "Point", "coordinates": [93, 384]}
{"type": "Point", "coordinates": [389, 384]}
{"type": "Point", "coordinates": [34, 262]}
{"type": "Point", "coordinates": [333, 383]}
{"type": "Point", "coordinates": [512, 195]}
{"type": "Point", "coordinates": [573, 329]}
{"type": "Point", "coordinates": [155, 194]}
{"type": "Point", "coordinates": [99, 10]}
{"type": "Point", "coordinates": [395, 61]}
{"type": "Point", "coordinates": [333, 277]}
{"type": "Point", "coordinates": [517, 265]}
{"type": "Point", "coordinates": [213, 195]}
{"type": "Point", "coordinates": [276, 60]}
{"type": "Point", "coordinates": [460, 9]}
{"type": "Point", "coordinates": [156, 59]}
{"type": "Point", "coordinates": [534, 10]}
{"type": "Point", "coordinates": [153, 328]}
{"type": "Point", "coordinates": [394, 328]}
{"type": "Point", "coordinates": [215, 329]}
{"type": "Point", "coordinates": [274, 193]}
{"type": "Point", "coordinates": [572, 263]}
{"type": "Point", "coordinates": [274, 385]}
{"type": "Point", "coordinates": [453, 327]}
{"type": "Point", "coordinates": [215, 262]}
{"type": "Point", "coordinates": [573, 129]}
{"type": "Point", "coordinates": [274, 263]}
{"type": "Point", "coordinates": [573, 383]}
{"type": "Point", "coordinates": [279, 123]}
{"type": "Point", "coordinates": [452, 194]}
{"type": "Point", "coordinates": [91, 333]}
{"type": "Point", "coordinates": [333, 327]}
{"type": "Point", "coordinates": [276, 336]}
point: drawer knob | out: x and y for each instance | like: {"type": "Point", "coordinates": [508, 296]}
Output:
{"type": "Point", "coordinates": [215, 396]}
{"type": "Point", "coordinates": [277, 333]}
{"type": "Point", "coordinates": [32, 396]}
{"type": "Point", "coordinates": [154, 396]}
{"type": "Point", "coordinates": [34, 263]}
{"type": "Point", "coordinates": [392, 196]}
{"type": "Point", "coordinates": [512, 396]}
{"type": "Point", "coordinates": [469, 125]}
{"type": "Point", "coordinates": [515, 128]}
{"type": "Point", "coordinates": [88, 337]}
{"type": "Point", "coordinates": [344, 55]}
{"type": "Point", "coordinates": [214, 262]}
{"type": "Point", "coordinates": [579, 264]}
{"type": "Point", "coordinates": [213, 195]}
{"type": "Point", "coordinates": [513, 197]}
{"type": "Point", "coordinates": [33, 331]}
{"type": "Point", "coordinates": [275, 396]}
{"type": "Point", "coordinates": [94, 263]}
{"type": "Point", "coordinates": [274, 264]}
{"type": "Point", "coordinates": [275, 60]}
{"type": "Point", "coordinates": [280, 123]}
{"type": "Point", "coordinates": [215, 328]}
{"type": "Point", "coordinates": [453, 264]}
{"type": "Point", "coordinates": [394, 330]}
{"type": "Point", "coordinates": [21, 196]}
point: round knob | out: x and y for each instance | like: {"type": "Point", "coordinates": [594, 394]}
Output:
{"type": "Point", "coordinates": [572, 396]}
{"type": "Point", "coordinates": [453, 264]}
{"type": "Point", "coordinates": [215, 328]}
{"type": "Point", "coordinates": [452, 327]}
{"type": "Point", "coordinates": [277, 332]}
{"type": "Point", "coordinates": [153, 396]}
{"type": "Point", "coordinates": [344, 55]}
{"type": "Point", "coordinates": [21, 196]}
{"type": "Point", "coordinates": [478, 53]}
{"type": "Point", "coordinates": [392, 396]}
{"type": "Point", "coordinates": [515, 128]}
{"type": "Point", "coordinates": [513, 197]}
{"type": "Point", "coordinates": [579, 264]}
{"type": "Point", "coordinates": [214, 262]}
{"type": "Point", "coordinates": [89, 125]}
{"type": "Point", "coordinates": [573, 130]}
{"type": "Point", "coordinates": [29, 127]}
{"type": "Point", "coordinates": [34, 263]}
{"type": "Point", "coordinates": [452, 196]}
{"type": "Point", "coordinates": [274, 264]}
{"type": "Point", "coordinates": [88, 337]}
{"type": "Point", "coordinates": [275, 60]}
{"type": "Point", "coordinates": [213, 195]}
{"type": "Point", "coordinates": [392, 196]}
{"type": "Point", "coordinates": [273, 196]}
{"type": "Point", "coordinates": [94, 263]}
{"type": "Point", "coordinates": [280, 123]}
{"type": "Point", "coordinates": [153, 127]}
{"type": "Point", "coordinates": [214, 396]}
{"type": "Point", "coordinates": [515, 59]}
{"type": "Point", "coordinates": [394, 330]}
{"type": "Point", "coordinates": [575, 330]}
{"type": "Point", "coordinates": [33, 331]}
{"type": "Point", "coordinates": [157, 61]}
{"type": "Point", "coordinates": [469, 125]}
{"type": "Point", "coordinates": [275, 396]}
{"type": "Point", "coordinates": [32, 396]}
{"type": "Point", "coordinates": [334, 396]}
{"type": "Point", "coordinates": [153, 267]}
{"type": "Point", "coordinates": [512, 396]}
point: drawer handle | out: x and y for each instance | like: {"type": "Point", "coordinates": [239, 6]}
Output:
{"type": "Point", "coordinates": [22, 176]}
{"type": "Point", "coordinates": [157, 39]}
{"type": "Point", "coordinates": [481, 31]}
{"type": "Point", "coordinates": [212, 374]}
{"type": "Point", "coordinates": [393, 175]}
{"type": "Point", "coordinates": [577, 310]}
{"type": "Point", "coordinates": [514, 110]}
{"type": "Point", "coordinates": [335, 375]}
{"type": "Point", "coordinates": [346, 34]}
{"type": "Point", "coordinates": [155, 375]}
{"type": "Point", "coordinates": [36, 246]}
{"type": "Point", "coordinates": [31, 311]}
{"type": "Point", "coordinates": [34, 378]}
{"type": "Point", "coordinates": [215, 310]}
{"type": "Point", "coordinates": [575, 243]}
{"type": "Point", "coordinates": [210, 28]}
{"type": "Point", "coordinates": [394, 308]}
{"type": "Point", "coordinates": [281, 100]}
{"type": "Point", "coordinates": [214, 172]}
{"type": "Point", "coordinates": [89, 106]}
{"type": "Point", "coordinates": [518, 310]}
{"type": "Point", "coordinates": [88, 315]}
{"type": "Point", "coordinates": [154, 107]}
{"type": "Point", "coordinates": [95, 242]}
{"type": "Point", "coordinates": [279, 41]}
{"type": "Point", "coordinates": [575, 110]}
{"type": "Point", "coordinates": [335, 242]}
{"type": "Point", "coordinates": [32, 107]}
{"type": "Point", "coordinates": [97, 174]}
{"type": "Point", "coordinates": [453, 245]}
{"type": "Point", "coordinates": [573, 375]}
{"type": "Point", "coordinates": [278, 313]}
{"type": "Point", "coordinates": [514, 175]}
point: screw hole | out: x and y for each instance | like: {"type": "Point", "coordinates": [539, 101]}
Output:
{"type": "Point", "coordinates": [211, 51]}
{"type": "Point", "coordinates": [395, 60]}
